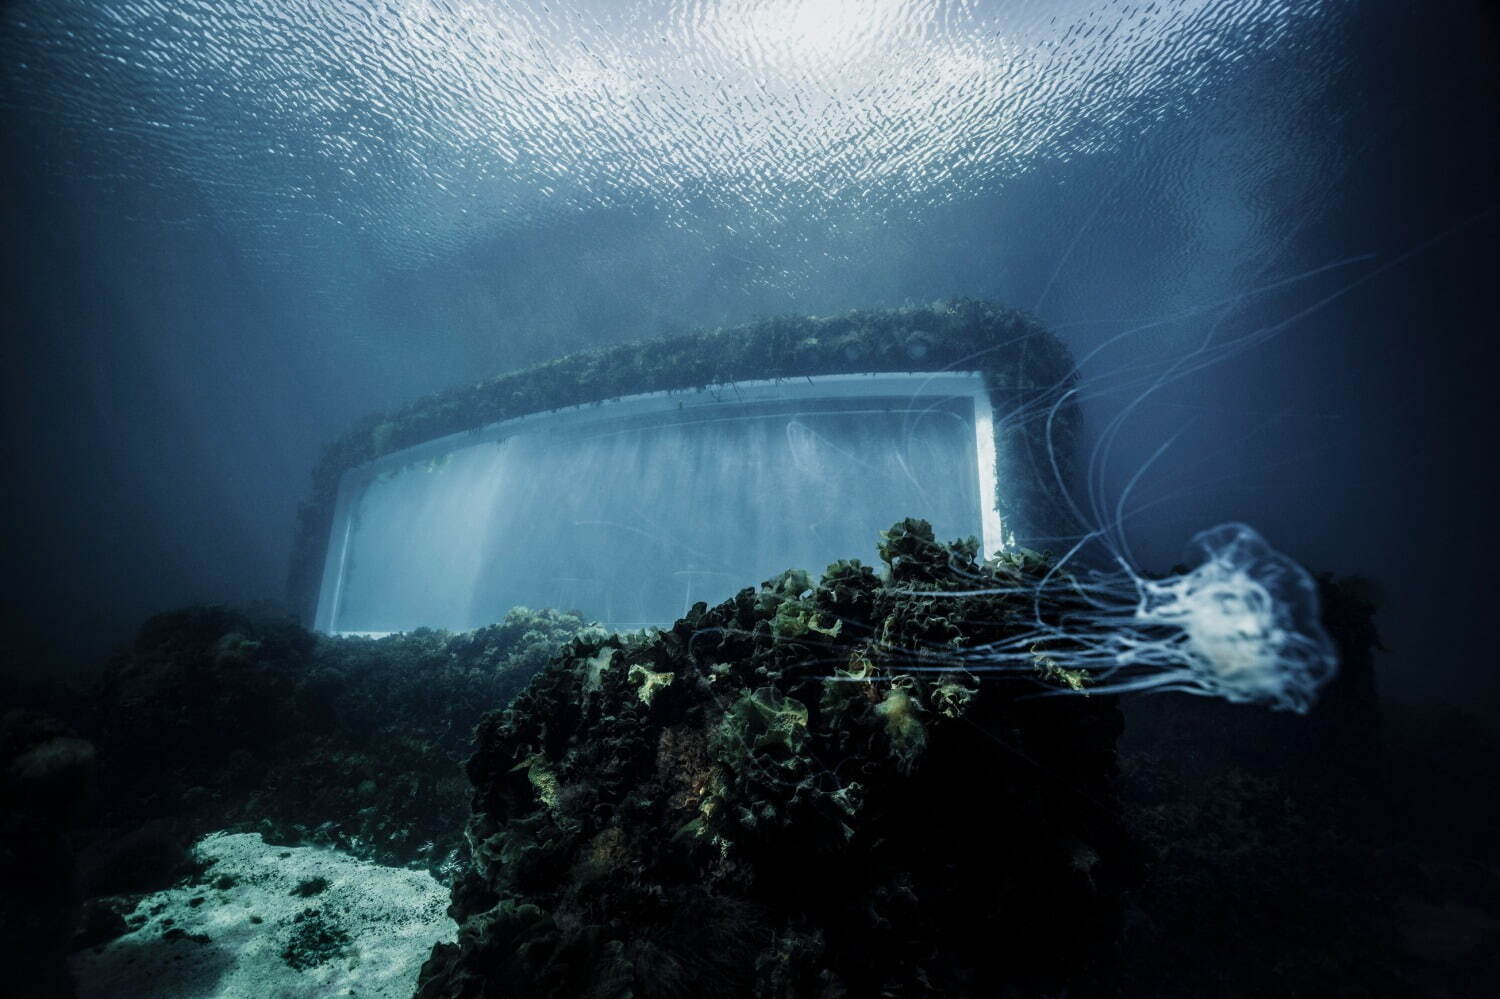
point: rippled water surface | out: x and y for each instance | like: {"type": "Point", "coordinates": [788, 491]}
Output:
{"type": "Point", "coordinates": [425, 122]}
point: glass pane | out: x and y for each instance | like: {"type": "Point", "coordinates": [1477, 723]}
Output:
{"type": "Point", "coordinates": [631, 511]}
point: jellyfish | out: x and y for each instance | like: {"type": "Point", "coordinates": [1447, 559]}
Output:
{"type": "Point", "coordinates": [1245, 623]}
{"type": "Point", "coordinates": [1242, 624]}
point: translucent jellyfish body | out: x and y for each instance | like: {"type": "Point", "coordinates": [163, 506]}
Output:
{"type": "Point", "coordinates": [1242, 625]}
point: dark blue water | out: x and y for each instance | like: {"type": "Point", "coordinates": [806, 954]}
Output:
{"type": "Point", "coordinates": [231, 229]}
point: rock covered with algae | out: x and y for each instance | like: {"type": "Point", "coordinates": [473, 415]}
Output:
{"type": "Point", "coordinates": [778, 796]}
{"type": "Point", "coordinates": [220, 719]}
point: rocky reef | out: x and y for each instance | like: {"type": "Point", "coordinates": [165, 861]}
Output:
{"type": "Point", "coordinates": [218, 719]}
{"type": "Point", "coordinates": [796, 793]}
{"type": "Point", "coordinates": [793, 793]}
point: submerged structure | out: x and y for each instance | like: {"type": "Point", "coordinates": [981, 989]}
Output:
{"type": "Point", "coordinates": [630, 482]}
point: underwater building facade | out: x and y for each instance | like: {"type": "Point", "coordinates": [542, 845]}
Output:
{"type": "Point", "coordinates": [630, 482]}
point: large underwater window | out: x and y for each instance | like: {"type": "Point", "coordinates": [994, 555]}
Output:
{"type": "Point", "coordinates": [631, 510]}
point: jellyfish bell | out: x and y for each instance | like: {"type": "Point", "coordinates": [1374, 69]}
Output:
{"type": "Point", "coordinates": [1244, 624]}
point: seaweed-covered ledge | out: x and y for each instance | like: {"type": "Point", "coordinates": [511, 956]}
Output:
{"type": "Point", "coordinates": [1025, 368]}
{"type": "Point", "coordinates": [774, 798]}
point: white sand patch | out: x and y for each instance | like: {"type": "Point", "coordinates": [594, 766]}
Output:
{"type": "Point", "coordinates": [263, 925]}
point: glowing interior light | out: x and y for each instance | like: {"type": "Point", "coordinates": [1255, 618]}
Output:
{"type": "Point", "coordinates": [632, 510]}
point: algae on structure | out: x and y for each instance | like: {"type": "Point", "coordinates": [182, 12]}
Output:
{"type": "Point", "coordinates": [1026, 369]}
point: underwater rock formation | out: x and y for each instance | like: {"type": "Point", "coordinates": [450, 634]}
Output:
{"type": "Point", "coordinates": [215, 720]}
{"type": "Point", "coordinates": [772, 798]}
{"type": "Point", "coordinates": [794, 793]}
